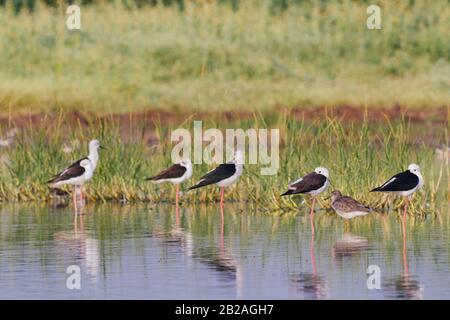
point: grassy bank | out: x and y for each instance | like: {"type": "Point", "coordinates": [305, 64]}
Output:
{"type": "Point", "coordinates": [359, 157]}
{"type": "Point", "coordinates": [211, 57]}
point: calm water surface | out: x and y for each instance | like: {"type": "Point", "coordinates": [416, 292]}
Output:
{"type": "Point", "coordinates": [145, 252]}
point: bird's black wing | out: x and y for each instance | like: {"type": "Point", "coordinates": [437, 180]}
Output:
{"type": "Point", "coordinates": [222, 172]}
{"type": "Point", "coordinates": [71, 172]}
{"type": "Point", "coordinates": [312, 181]}
{"type": "Point", "coordinates": [403, 181]}
{"type": "Point", "coordinates": [73, 165]}
{"type": "Point", "coordinates": [175, 171]}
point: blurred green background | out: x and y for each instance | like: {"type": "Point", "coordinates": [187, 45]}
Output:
{"type": "Point", "coordinates": [222, 55]}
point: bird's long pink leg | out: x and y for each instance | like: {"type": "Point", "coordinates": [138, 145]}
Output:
{"type": "Point", "coordinates": [311, 245]}
{"type": "Point", "coordinates": [75, 223]}
{"type": "Point", "coordinates": [405, 259]}
{"type": "Point", "coordinates": [222, 225]}
{"type": "Point", "coordinates": [177, 217]}
{"type": "Point", "coordinates": [177, 210]}
{"type": "Point", "coordinates": [75, 199]}
{"type": "Point", "coordinates": [312, 254]}
{"type": "Point", "coordinates": [81, 222]}
{"type": "Point", "coordinates": [222, 228]}
{"type": "Point", "coordinates": [221, 196]}
{"type": "Point", "coordinates": [81, 196]}
{"type": "Point", "coordinates": [311, 216]}
{"type": "Point", "coordinates": [405, 209]}
{"type": "Point", "coordinates": [81, 201]}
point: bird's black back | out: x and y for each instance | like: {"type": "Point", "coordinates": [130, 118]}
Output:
{"type": "Point", "coordinates": [312, 181]}
{"type": "Point", "coordinates": [69, 173]}
{"type": "Point", "coordinates": [175, 171]}
{"type": "Point", "coordinates": [404, 181]}
{"type": "Point", "coordinates": [222, 172]}
{"type": "Point", "coordinates": [73, 165]}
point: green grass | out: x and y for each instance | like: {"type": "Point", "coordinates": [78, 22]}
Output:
{"type": "Point", "coordinates": [211, 57]}
{"type": "Point", "coordinates": [359, 158]}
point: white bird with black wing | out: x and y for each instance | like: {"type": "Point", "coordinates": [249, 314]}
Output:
{"type": "Point", "coordinates": [403, 184]}
{"type": "Point", "coordinates": [176, 174]}
{"type": "Point", "coordinates": [313, 183]}
{"type": "Point", "coordinates": [223, 176]}
{"type": "Point", "coordinates": [76, 175]}
{"type": "Point", "coordinates": [78, 172]}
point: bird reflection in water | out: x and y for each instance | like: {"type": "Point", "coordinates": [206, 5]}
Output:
{"type": "Point", "coordinates": [59, 198]}
{"type": "Point", "coordinates": [405, 286]}
{"type": "Point", "coordinates": [222, 261]}
{"type": "Point", "coordinates": [81, 249]}
{"type": "Point", "coordinates": [349, 246]}
{"type": "Point", "coordinates": [215, 258]}
{"type": "Point", "coordinates": [178, 237]}
{"type": "Point", "coordinates": [311, 284]}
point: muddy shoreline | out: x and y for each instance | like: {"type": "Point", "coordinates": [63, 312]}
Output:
{"type": "Point", "coordinates": [152, 117]}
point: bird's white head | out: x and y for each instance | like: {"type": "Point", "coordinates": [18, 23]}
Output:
{"type": "Point", "coordinates": [414, 168]}
{"type": "Point", "coordinates": [94, 145]}
{"type": "Point", "coordinates": [322, 171]}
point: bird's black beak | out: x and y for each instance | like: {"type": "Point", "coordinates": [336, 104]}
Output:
{"type": "Point", "coordinates": [104, 148]}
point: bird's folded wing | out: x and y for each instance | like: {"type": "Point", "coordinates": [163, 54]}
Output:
{"type": "Point", "coordinates": [403, 181]}
{"type": "Point", "coordinates": [311, 181]}
{"type": "Point", "coordinates": [175, 171]}
{"type": "Point", "coordinates": [73, 165]}
{"type": "Point", "coordinates": [220, 173]}
{"type": "Point", "coordinates": [69, 173]}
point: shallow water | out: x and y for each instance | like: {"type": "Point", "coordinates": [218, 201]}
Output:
{"type": "Point", "coordinates": [145, 252]}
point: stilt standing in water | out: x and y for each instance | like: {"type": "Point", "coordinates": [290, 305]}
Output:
{"type": "Point", "coordinates": [176, 174]}
{"type": "Point", "coordinates": [224, 175]}
{"type": "Point", "coordinates": [313, 183]}
{"type": "Point", "coordinates": [74, 168]}
{"type": "Point", "coordinates": [75, 175]}
{"type": "Point", "coordinates": [403, 184]}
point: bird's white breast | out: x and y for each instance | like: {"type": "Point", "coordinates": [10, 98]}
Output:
{"type": "Point", "coordinates": [229, 181]}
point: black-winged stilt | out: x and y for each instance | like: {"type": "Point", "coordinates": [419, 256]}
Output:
{"type": "Point", "coordinates": [347, 207]}
{"type": "Point", "coordinates": [176, 174]}
{"type": "Point", "coordinates": [92, 158]}
{"type": "Point", "coordinates": [94, 145]}
{"type": "Point", "coordinates": [76, 175]}
{"type": "Point", "coordinates": [223, 176]}
{"type": "Point", "coordinates": [313, 184]}
{"type": "Point", "coordinates": [403, 184]}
